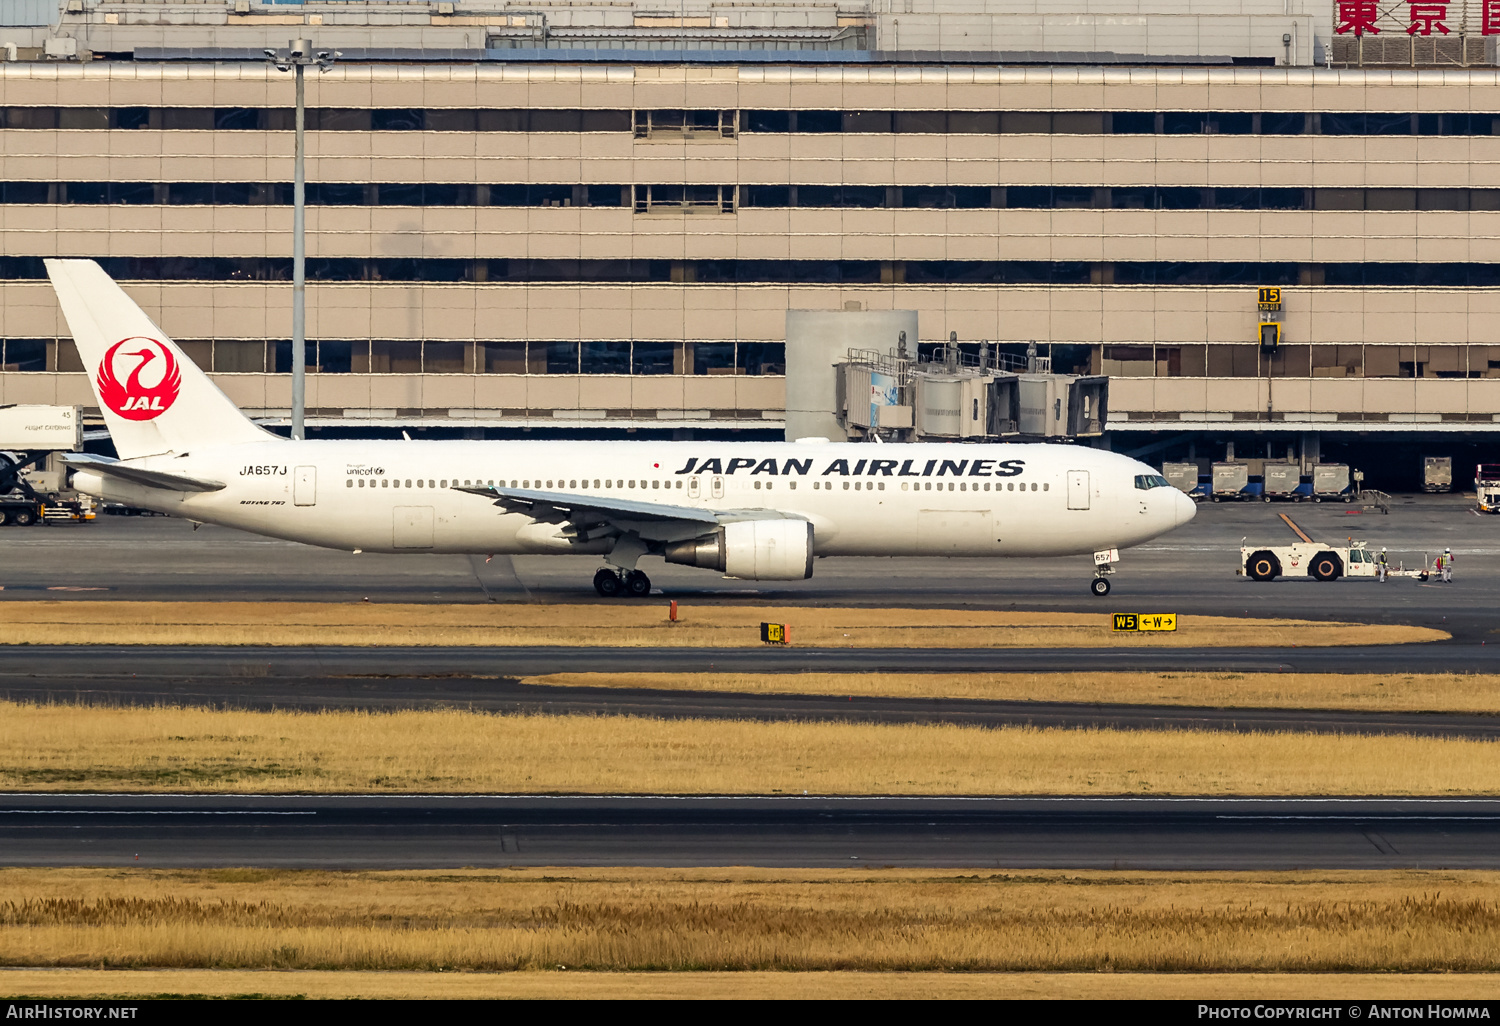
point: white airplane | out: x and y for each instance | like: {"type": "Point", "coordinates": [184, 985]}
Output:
{"type": "Point", "coordinates": [754, 510]}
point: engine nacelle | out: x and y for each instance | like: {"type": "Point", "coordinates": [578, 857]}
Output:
{"type": "Point", "coordinates": [755, 550]}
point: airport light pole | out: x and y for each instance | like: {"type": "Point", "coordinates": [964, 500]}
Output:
{"type": "Point", "coordinates": [297, 56]}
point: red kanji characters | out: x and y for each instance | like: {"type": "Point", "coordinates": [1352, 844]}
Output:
{"type": "Point", "coordinates": [1358, 16]}
{"type": "Point", "coordinates": [1426, 16]}
{"type": "Point", "coordinates": [1489, 18]}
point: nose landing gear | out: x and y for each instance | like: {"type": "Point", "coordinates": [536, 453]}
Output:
{"type": "Point", "coordinates": [1104, 565]}
{"type": "Point", "coordinates": [612, 583]}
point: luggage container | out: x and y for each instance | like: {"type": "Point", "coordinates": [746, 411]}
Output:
{"type": "Point", "coordinates": [1184, 477]}
{"type": "Point", "coordinates": [1231, 481]}
{"type": "Point", "coordinates": [1331, 481]}
{"type": "Point", "coordinates": [1437, 473]}
{"type": "Point", "coordinates": [1284, 481]}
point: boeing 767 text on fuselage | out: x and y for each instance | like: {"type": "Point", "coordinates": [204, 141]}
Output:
{"type": "Point", "coordinates": [756, 510]}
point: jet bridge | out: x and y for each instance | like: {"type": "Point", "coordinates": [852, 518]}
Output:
{"type": "Point", "coordinates": [965, 394]}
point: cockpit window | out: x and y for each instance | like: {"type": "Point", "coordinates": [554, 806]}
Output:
{"type": "Point", "coordinates": [1146, 482]}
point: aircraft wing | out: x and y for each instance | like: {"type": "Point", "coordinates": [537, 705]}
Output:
{"type": "Point", "coordinates": [555, 507]}
{"type": "Point", "coordinates": [655, 520]}
{"type": "Point", "coordinates": [139, 475]}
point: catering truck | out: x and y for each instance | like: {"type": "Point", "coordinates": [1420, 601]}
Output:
{"type": "Point", "coordinates": [31, 491]}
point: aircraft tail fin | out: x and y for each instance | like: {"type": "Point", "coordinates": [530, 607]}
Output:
{"type": "Point", "coordinates": [153, 397]}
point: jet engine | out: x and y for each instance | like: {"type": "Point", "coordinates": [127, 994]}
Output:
{"type": "Point", "coordinates": [756, 550]}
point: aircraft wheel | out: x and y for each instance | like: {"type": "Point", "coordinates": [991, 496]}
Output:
{"type": "Point", "coordinates": [1100, 586]}
{"type": "Point", "coordinates": [607, 583]}
{"type": "Point", "coordinates": [637, 584]}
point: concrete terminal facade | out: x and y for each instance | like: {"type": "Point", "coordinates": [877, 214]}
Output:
{"type": "Point", "coordinates": [497, 244]}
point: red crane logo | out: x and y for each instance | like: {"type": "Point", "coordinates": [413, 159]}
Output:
{"type": "Point", "coordinates": [137, 399]}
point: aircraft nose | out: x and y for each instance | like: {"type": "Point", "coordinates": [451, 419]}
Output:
{"type": "Point", "coordinates": [1186, 508]}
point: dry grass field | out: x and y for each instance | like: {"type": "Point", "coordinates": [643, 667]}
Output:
{"type": "Point", "coordinates": [635, 625]}
{"type": "Point", "coordinates": [1392, 692]}
{"type": "Point", "coordinates": [61, 747]}
{"type": "Point", "coordinates": [607, 919]}
{"type": "Point", "coordinates": [749, 985]}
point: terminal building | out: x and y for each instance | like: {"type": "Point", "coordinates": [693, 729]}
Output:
{"type": "Point", "coordinates": [594, 218]}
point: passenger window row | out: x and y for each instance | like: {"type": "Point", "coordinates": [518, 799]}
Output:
{"type": "Point", "coordinates": [974, 486]}
{"type": "Point", "coordinates": [718, 124]}
{"type": "Point", "coordinates": [726, 198]}
{"type": "Point", "coordinates": [669, 485]}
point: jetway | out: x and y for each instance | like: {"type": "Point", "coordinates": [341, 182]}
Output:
{"type": "Point", "coordinates": [958, 395]}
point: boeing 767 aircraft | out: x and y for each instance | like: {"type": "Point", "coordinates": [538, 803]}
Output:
{"type": "Point", "coordinates": [754, 510]}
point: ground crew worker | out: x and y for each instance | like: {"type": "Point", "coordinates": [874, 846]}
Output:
{"type": "Point", "coordinates": [1380, 567]}
{"type": "Point", "coordinates": [1447, 566]}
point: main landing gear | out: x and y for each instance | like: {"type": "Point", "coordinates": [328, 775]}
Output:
{"type": "Point", "coordinates": [612, 583]}
{"type": "Point", "coordinates": [1104, 565]}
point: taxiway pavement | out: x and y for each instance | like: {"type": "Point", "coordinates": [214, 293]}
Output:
{"type": "Point", "coordinates": [1190, 569]}
{"type": "Point", "coordinates": [441, 831]}
{"type": "Point", "coordinates": [259, 688]}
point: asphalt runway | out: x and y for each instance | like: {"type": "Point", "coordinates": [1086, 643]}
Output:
{"type": "Point", "coordinates": [1192, 568]}
{"type": "Point", "coordinates": [1189, 570]}
{"type": "Point", "coordinates": [438, 832]}
{"type": "Point", "coordinates": [84, 662]}
{"type": "Point", "coordinates": [506, 695]}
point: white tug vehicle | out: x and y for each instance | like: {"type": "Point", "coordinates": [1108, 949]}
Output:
{"type": "Point", "coordinates": [1308, 558]}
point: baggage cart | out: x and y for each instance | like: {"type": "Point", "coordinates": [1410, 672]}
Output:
{"type": "Point", "coordinates": [1331, 481]}
{"type": "Point", "coordinates": [1284, 481]}
{"type": "Point", "coordinates": [1231, 481]}
{"type": "Point", "coordinates": [1184, 477]}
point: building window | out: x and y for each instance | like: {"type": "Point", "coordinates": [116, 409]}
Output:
{"type": "Point", "coordinates": [1128, 362]}
{"type": "Point", "coordinates": [655, 357]}
{"type": "Point", "coordinates": [509, 195]}
{"type": "Point", "coordinates": [1335, 361]}
{"type": "Point", "coordinates": [445, 358]}
{"type": "Point", "coordinates": [761, 357]}
{"type": "Point", "coordinates": [23, 354]}
{"type": "Point", "coordinates": [387, 357]}
{"type": "Point", "coordinates": [685, 124]}
{"type": "Point", "coordinates": [711, 358]}
{"type": "Point", "coordinates": [604, 357]}
{"type": "Point", "coordinates": [503, 358]}
{"type": "Point", "coordinates": [722, 199]}
{"type": "Point", "coordinates": [686, 199]}
{"type": "Point", "coordinates": [231, 357]}
{"type": "Point", "coordinates": [727, 123]}
{"type": "Point", "coordinates": [561, 357]}
{"type": "Point", "coordinates": [1234, 361]}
